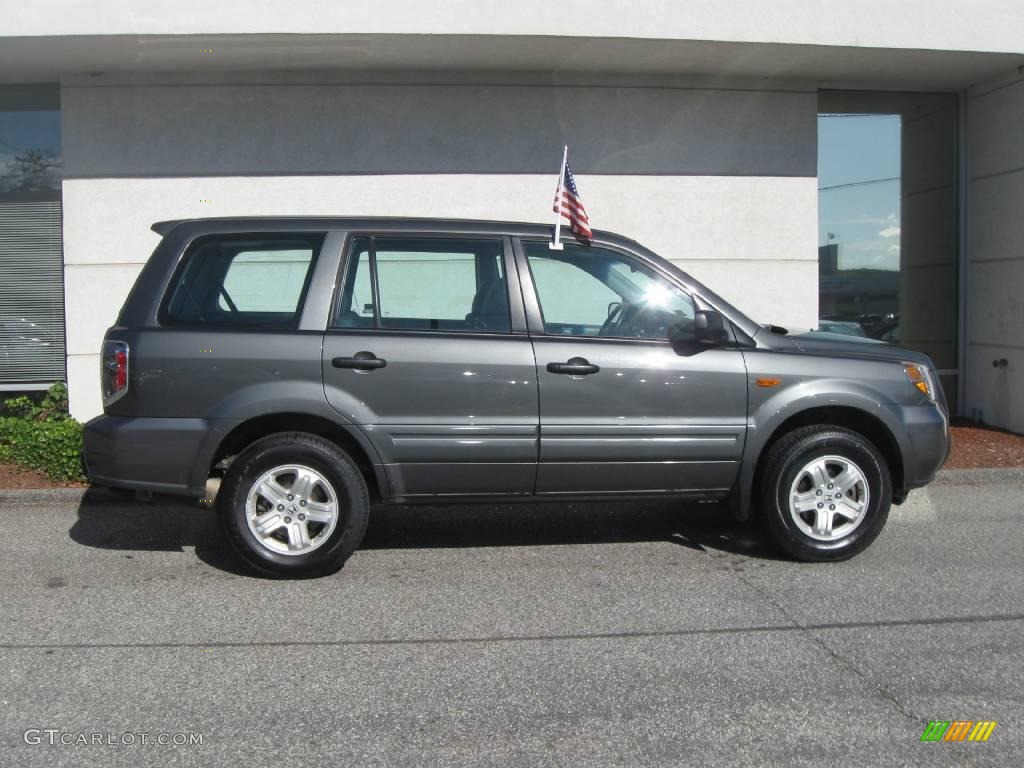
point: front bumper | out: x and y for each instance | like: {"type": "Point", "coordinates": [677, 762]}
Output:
{"type": "Point", "coordinates": [165, 455]}
{"type": "Point", "coordinates": [925, 442]}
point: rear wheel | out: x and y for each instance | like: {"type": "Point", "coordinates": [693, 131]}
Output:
{"type": "Point", "coordinates": [294, 504]}
{"type": "Point", "coordinates": [826, 492]}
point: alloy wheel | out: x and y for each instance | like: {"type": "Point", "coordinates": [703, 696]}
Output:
{"type": "Point", "coordinates": [292, 509]}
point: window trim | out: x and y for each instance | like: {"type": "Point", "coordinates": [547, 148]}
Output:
{"type": "Point", "coordinates": [535, 313]}
{"type": "Point", "coordinates": [316, 239]}
{"type": "Point", "coordinates": [513, 287]}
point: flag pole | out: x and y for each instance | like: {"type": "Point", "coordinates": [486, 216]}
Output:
{"type": "Point", "coordinates": [556, 245]}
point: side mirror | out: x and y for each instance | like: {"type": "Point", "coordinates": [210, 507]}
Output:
{"type": "Point", "coordinates": [709, 328]}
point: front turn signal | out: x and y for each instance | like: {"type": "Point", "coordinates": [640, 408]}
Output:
{"type": "Point", "coordinates": [919, 377]}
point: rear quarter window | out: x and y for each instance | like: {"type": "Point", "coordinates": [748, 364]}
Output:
{"type": "Point", "coordinates": [250, 281]}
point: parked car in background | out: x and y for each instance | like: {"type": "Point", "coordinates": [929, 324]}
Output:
{"type": "Point", "coordinates": [874, 326]}
{"type": "Point", "coordinates": [841, 327]}
{"type": "Point", "coordinates": [870, 322]}
{"type": "Point", "coordinates": [889, 332]}
{"type": "Point", "coordinates": [316, 365]}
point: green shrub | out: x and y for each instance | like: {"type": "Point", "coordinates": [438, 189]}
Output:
{"type": "Point", "coordinates": [43, 436]}
{"type": "Point", "coordinates": [22, 406]}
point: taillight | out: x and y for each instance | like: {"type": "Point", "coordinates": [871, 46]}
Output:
{"type": "Point", "coordinates": [114, 370]}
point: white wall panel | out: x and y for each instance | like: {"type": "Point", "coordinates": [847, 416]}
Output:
{"type": "Point", "coordinates": [84, 385]}
{"type": "Point", "coordinates": [95, 293]}
{"type": "Point", "coordinates": [983, 25]}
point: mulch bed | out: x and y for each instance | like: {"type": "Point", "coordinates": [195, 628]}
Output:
{"type": "Point", "coordinates": [974, 447]}
{"type": "Point", "coordinates": [14, 476]}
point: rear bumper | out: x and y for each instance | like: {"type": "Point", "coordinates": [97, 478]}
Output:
{"type": "Point", "coordinates": [152, 454]}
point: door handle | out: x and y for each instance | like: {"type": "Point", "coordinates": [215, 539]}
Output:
{"type": "Point", "coordinates": [576, 366]}
{"type": "Point", "coordinates": [360, 361]}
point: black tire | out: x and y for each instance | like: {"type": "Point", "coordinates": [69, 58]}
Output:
{"type": "Point", "coordinates": [783, 463]}
{"type": "Point", "coordinates": [333, 465]}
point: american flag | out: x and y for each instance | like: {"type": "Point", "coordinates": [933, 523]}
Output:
{"type": "Point", "coordinates": [572, 206]}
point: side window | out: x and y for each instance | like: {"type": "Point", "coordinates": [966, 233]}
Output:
{"type": "Point", "coordinates": [587, 291]}
{"type": "Point", "coordinates": [252, 281]}
{"type": "Point", "coordinates": [265, 281]}
{"type": "Point", "coordinates": [425, 284]}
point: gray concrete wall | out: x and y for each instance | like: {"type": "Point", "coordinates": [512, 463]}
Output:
{"type": "Point", "coordinates": [995, 251]}
{"type": "Point", "coordinates": [928, 223]}
{"type": "Point", "coordinates": [720, 180]}
{"type": "Point", "coordinates": [238, 130]}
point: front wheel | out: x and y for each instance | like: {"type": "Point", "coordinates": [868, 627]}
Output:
{"type": "Point", "coordinates": [827, 492]}
{"type": "Point", "coordinates": [294, 504]}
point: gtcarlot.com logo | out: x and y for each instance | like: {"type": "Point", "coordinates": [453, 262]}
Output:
{"type": "Point", "coordinates": [958, 730]}
{"type": "Point", "coordinates": [56, 737]}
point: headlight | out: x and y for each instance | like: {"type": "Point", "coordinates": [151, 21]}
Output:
{"type": "Point", "coordinates": [921, 378]}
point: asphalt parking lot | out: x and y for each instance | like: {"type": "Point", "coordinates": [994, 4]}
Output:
{"type": "Point", "coordinates": [554, 634]}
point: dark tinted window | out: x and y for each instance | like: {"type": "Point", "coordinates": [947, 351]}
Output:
{"type": "Point", "coordinates": [435, 284]}
{"type": "Point", "coordinates": [253, 281]}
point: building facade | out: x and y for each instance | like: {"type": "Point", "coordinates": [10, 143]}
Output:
{"type": "Point", "coordinates": [702, 130]}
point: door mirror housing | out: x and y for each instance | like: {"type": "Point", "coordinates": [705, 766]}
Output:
{"type": "Point", "coordinates": [709, 328]}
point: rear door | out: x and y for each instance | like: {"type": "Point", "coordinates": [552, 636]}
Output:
{"type": "Point", "coordinates": [620, 410]}
{"type": "Point", "coordinates": [428, 355]}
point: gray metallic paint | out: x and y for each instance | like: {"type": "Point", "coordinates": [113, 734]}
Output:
{"type": "Point", "coordinates": [152, 453]}
{"type": "Point", "coordinates": [647, 403]}
{"type": "Point", "coordinates": [456, 401]}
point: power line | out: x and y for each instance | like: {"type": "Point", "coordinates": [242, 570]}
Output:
{"type": "Point", "coordinates": [860, 183]}
{"type": "Point", "coordinates": [831, 115]}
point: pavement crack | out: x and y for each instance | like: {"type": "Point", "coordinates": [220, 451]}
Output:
{"type": "Point", "coordinates": [811, 632]}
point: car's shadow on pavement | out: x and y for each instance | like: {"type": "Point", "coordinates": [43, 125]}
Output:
{"type": "Point", "coordinates": [168, 524]}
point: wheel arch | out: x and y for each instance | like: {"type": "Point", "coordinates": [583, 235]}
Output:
{"type": "Point", "coordinates": [850, 417]}
{"type": "Point", "coordinates": [347, 437]}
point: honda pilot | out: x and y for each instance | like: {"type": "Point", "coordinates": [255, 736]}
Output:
{"type": "Point", "coordinates": [309, 367]}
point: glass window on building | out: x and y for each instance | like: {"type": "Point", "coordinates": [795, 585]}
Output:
{"type": "Point", "coordinates": [31, 254]}
{"type": "Point", "coordinates": [887, 221]}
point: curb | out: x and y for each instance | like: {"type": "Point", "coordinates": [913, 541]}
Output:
{"type": "Point", "coordinates": [97, 495]}
{"type": "Point", "coordinates": [994, 475]}
{"type": "Point", "coordinates": [100, 495]}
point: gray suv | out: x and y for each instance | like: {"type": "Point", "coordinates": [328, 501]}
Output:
{"type": "Point", "coordinates": [315, 365]}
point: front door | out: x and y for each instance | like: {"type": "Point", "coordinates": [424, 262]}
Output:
{"type": "Point", "coordinates": [620, 410]}
{"type": "Point", "coordinates": [424, 354]}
